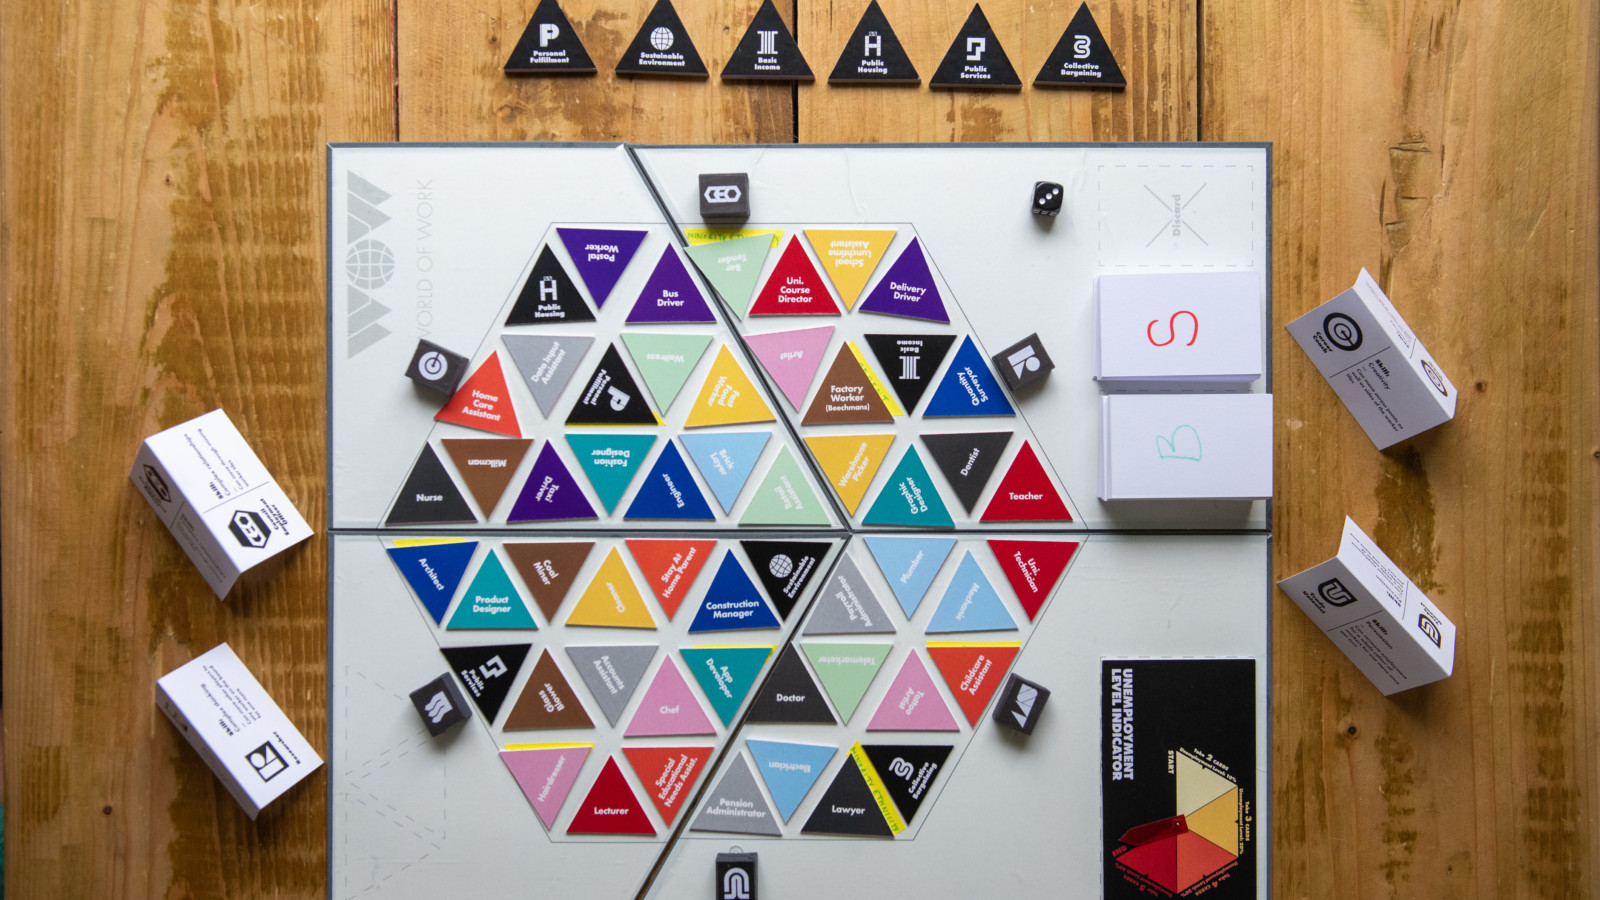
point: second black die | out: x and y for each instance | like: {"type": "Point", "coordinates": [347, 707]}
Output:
{"type": "Point", "coordinates": [440, 704]}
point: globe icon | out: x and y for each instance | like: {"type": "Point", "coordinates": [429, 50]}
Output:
{"type": "Point", "coordinates": [781, 566]}
{"type": "Point", "coordinates": [369, 264]}
{"type": "Point", "coordinates": [661, 38]}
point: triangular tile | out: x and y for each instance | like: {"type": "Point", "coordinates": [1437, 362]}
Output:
{"type": "Point", "coordinates": [907, 289]}
{"type": "Point", "coordinates": [848, 808]}
{"type": "Point", "coordinates": [909, 565]}
{"type": "Point", "coordinates": [549, 46]}
{"type": "Point", "coordinates": [849, 461]}
{"type": "Point", "coordinates": [664, 361]}
{"type": "Point", "coordinates": [785, 568]}
{"type": "Point", "coordinates": [550, 493]}
{"type": "Point", "coordinates": [610, 461]}
{"type": "Point", "coordinates": [491, 601]}
{"type": "Point", "coordinates": [909, 362]}
{"type": "Point", "coordinates": [1033, 568]}
{"type": "Point", "coordinates": [547, 363]}
{"type": "Point", "coordinates": [794, 288]}
{"type": "Point", "coordinates": [975, 60]}
{"type": "Point", "coordinates": [728, 396]}
{"type": "Point", "coordinates": [662, 47]}
{"type": "Point", "coordinates": [907, 771]}
{"type": "Point", "coordinates": [913, 703]}
{"type": "Point", "coordinates": [973, 672]}
{"type": "Point", "coordinates": [611, 600]}
{"type": "Point", "coordinates": [789, 770]}
{"type": "Point", "coordinates": [548, 570]}
{"type": "Point", "coordinates": [847, 605]}
{"type": "Point", "coordinates": [846, 671]}
{"type": "Point", "coordinates": [549, 296]}
{"type": "Point", "coordinates": [429, 496]}
{"type": "Point", "coordinates": [547, 701]}
{"type": "Point", "coordinates": [487, 672]}
{"type": "Point", "coordinates": [546, 775]}
{"type": "Point", "coordinates": [791, 358]}
{"type": "Point", "coordinates": [667, 774]}
{"type": "Point", "coordinates": [434, 571]}
{"type": "Point", "coordinates": [486, 465]}
{"type": "Point", "coordinates": [967, 460]}
{"type": "Point", "coordinates": [733, 267]}
{"type": "Point", "coordinates": [670, 295]}
{"type": "Point", "coordinates": [732, 602]}
{"type": "Point", "coordinates": [1026, 494]}
{"type": "Point", "coordinates": [669, 707]}
{"type": "Point", "coordinates": [612, 673]}
{"type": "Point", "coordinates": [611, 806]}
{"type": "Point", "coordinates": [968, 388]}
{"type": "Point", "coordinates": [849, 256]}
{"type": "Point", "coordinates": [908, 497]}
{"type": "Point", "coordinates": [785, 497]}
{"type": "Point", "coordinates": [726, 460]}
{"type": "Point", "coordinates": [970, 603]}
{"type": "Point", "coordinates": [669, 491]}
{"type": "Point", "coordinates": [767, 52]}
{"type": "Point", "coordinates": [735, 805]}
{"type": "Point", "coordinates": [670, 567]}
{"type": "Point", "coordinates": [483, 402]}
{"type": "Point", "coordinates": [726, 673]}
{"type": "Point", "coordinates": [874, 54]}
{"type": "Point", "coordinates": [790, 695]}
{"type": "Point", "coordinates": [1082, 58]}
{"type": "Point", "coordinates": [600, 255]}
{"type": "Point", "coordinates": [847, 396]}
{"type": "Point", "coordinates": [611, 396]}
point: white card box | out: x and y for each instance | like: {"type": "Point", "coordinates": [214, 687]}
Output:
{"type": "Point", "coordinates": [1186, 447]}
{"type": "Point", "coordinates": [229, 719]}
{"type": "Point", "coordinates": [1374, 362]}
{"type": "Point", "coordinates": [1376, 615]}
{"type": "Point", "coordinates": [1180, 327]}
{"type": "Point", "coordinates": [214, 495]}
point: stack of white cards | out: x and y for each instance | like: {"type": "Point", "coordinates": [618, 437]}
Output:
{"type": "Point", "coordinates": [1184, 327]}
{"type": "Point", "coordinates": [1186, 446]}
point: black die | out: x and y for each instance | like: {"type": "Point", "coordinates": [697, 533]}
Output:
{"type": "Point", "coordinates": [1046, 198]}
{"type": "Point", "coordinates": [436, 368]}
{"type": "Point", "coordinates": [440, 704]}
{"type": "Point", "coordinates": [1021, 702]}
{"type": "Point", "coordinates": [1023, 363]}
{"type": "Point", "coordinates": [725, 196]}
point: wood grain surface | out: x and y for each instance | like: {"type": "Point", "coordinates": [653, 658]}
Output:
{"type": "Point", "coordinates": [161, 254]}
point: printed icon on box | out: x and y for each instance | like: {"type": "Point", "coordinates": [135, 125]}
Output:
{"type": "Point", "coordinates": [438, 707]}
{"type": "Point", "coordinates": [1023, 704]}
{"type": "Point", "coordinates": [494, 668]}
{"type": "Point", "coordinates": [1431, 629]}
{"type": "Point", "coordinates": [872, 45]}
{"type": "Point", "coordinates": [1172, 329]}
{"type": "Point", "coordinates": [661, 38]}
{"type": "Point", "coordinates": [975, 48]}
{"type": "Point", "coordinates": [157, 484]}
{"type": "Point", "coordinates": [735, 885]}
{"type": "Point", "coordinates": [547, 33]}
{"type": "Point", "coordinates": [249, 529]}
{"type": "Point", "coordinates": [1080, 46]}
{"type": "Point", "coordinates": [1183, 443]}
{"type": "Point", "coordinates": [266, 761]}
{"type": "Point", "coordinates": [1334, 593]}
{"type": "Point", "coordinates": [1435, 377]}
{"type": "Point", "coordinates": [1342, 331]}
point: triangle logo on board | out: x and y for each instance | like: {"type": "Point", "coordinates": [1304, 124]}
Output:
{"type": "Point", "coordinates": [548, 570]}
{"type": "Point", "coordinates": [547, 363]}
{"type": "Point", "coordinates": [483, 402]}
{"type": "Point", "coordinates": [909, 498]}
{"type": "Point", "coordinates": [487, 672]}
{"type": "Point", "coordinates": [967, 460]}
{"type": "Point", "coordinates": [789, 769]}
{"type": "Point", "coordinates": [790, 695]}
{"type": "Point", "coordinates": [785, 497]}
{"type": "Point", "coordinates": [612, 673]}
{"type": "Point", "coordinates": [973, 672]}
{"type": "Point", "coordinates": [846, 671]}
{"type": "Point", "coordinates": [664, 361]}
{"type": "Point", "coordinates": [849, 256]}
{"type": "Point", "coordinates": [670, 567]}
{"type": "Point", "coordinates": [968, 388]}
{"type": "Point", "coordinates": [610, 461]}
{"type": "Point", "coordinates": [600, 255]}
{"type": "Point", "coordinates": [667, 774]}
{"type": "Point", "coordinates": [546, 773]}
{"type": "Point", "coordinates": [913, 703]}
{"type": "Point", "coordinates": [549, 295]}
{"type": "Point", "coordinates": [728, 396]}
{"type": "Point", "coordinates": [847, 396]}
{"type": "Point", "coordinates": [429, 496]}
{"type": "Point", "coordinates": [549, 46]}
{"type": "Point", "coordinates": [491, 601]}
{"type": "Point", "coordinates": [726, 460]}
{"type": "Point", "coordinates": [670, 295]}
{"type": "Point", "coordinates": [550, 492]}
{"type": "Point", "coordinates": [767, 52]}
{"type": "Point", "coordinates": [907, 289]}
{"type": "Point", "coordinates": [611, 806]}
{"type": "Point", "coordinates": [547, 701]}
{"type": "Point", "coordinates": [909, 361]}
{"type": "Point", "coordinates": [794, 288]}
{"type": "Point", "coordinates": [1033, 568]}
{"type": "Point", "coordinates": [732, 602]}
{"type": "Point", "coordinates": [611, 600]}
{"type": "Point", "coordinates": [847, 605]}
{"type": "Point", "coordinates": [791, 358]}
{"type": "Point", "coordinates": [909, 565]}
{"type": "Point", "coordinates": [736, 806]}
{"type": "Point", "coordinates": [975, 60]}
{"type": "Point", "coordinates": [434, 571]}
{"type": "Point", "coordinates": [874, 54]}
{"type": "Point", "coordinates": [669, 707]}
{"type": "Point", "coordinates": [611, 396]}
{"type": "Point", "coordinates": [733, 267]}
{"type": "Point", "coordinates": [785, 568]}
{"type": "Point", "coordinates": [1082, 58]}
{"type": "Point", "coordinates": [970, 603]}
{"type": "Point", "coordinates": [487, 465]}
{"type": "Point", "coordinates": [726, 673]}
{"type": "Point", "coordinates": [669, 491]}
{"type": "Point", "coordinates": [1025, 493]}
{"type": "Point", "coordinates": [849, 461]}
{"type": "Point", "coordinates": [847, 807]}
{"type": "Point", "coordinates": [907, 771]}
{"type": "Point", "coordinates": [662, 47]}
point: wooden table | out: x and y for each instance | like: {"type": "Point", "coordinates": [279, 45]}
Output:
{"type": "Point", "coordinates": [163, 240]}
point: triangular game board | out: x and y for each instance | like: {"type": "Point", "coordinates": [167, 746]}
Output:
{"type": "Point", "coordinates": [846, 671]}
{"type": "Point", "coordinates": [767, 52]}
{"type": "Point", "coordinates": [732, 602]}
{"type": "Point", "coordinates": [611, 396]}
{"type": "Point", "coordinates": [973, 672]}
{"type": "Point", "coordinates": [1026, 494]}
{"type": "Point", "coordinates": [486, 465]}
{"type": "Point", "coordinates": [611, 806]}
{"type": "Point", "coordinates": [548, 569]}
{"type": "Point", "coordinates": [611, 600]}
{"type": "Point", "coordinates": [735, 805]}
{"type": "Point", "coordinates": [547, 363]}
{"type": "Point", "coordinates": [790, 695]}
{"type": "Point", "coordinates": [792, 358]}
{"type": "Point", "coordinates": [847, 396]}
{"type": "Point", "coordinates": [967, 460]}
{"type": "Point", "coordinates": [1033, 568]}
{"type": "Point", "coordinates": [546, 773]}
{"type": "Point", "coordinates": [669, 707]}
{"type": "Point", "coordinates": [849, 256]}
{"type": "Point", "coordinates": [662, 47]}
{"type": "Point", "coordinates": [849, 461]}
{"type": "Point", "coordinates": [667, 774]}
{"type": "Point", "coordinates": [1082, 58]}
{"type": "Point", "coordinates": [429, 496]}
{"type": "Point", "coordinates": [913, 702]}
{"type": "Point", "coordinates": [907, 289]}
{"type": "Point", "coordinates": [549, 296]}
{"type": "Point", "coordinates": [909, 565]}
{"type": "Point", "coordinates": [491, 601]}
{"type": "Point", "coordinates": [547, 700]}
{"type": "Point", "coordinates": [669, 491]}
{"type": "Point", "coordinates": [726, 672]}
{"type": "Point", "coordinates": [726, 460]}
{"type": "Point", "coordinates": [610, 461]}
{"type": "Point", "coordinates": [909, 498]}
{"type": "Point", "coordinates": [612, 673]}
{"type": "Point", "coordinates": [483, 402]}
{"type": "Point", "coordinates": [434, 571]}
{"type": "Point", "coordinates": [670, 567]}
{"type": "Point", "coordinates": [848, 808]}
{"type": "Point", "coordinates": [487, 672]}
{"type": "Point", "coordinates": [968, 388]}
{"type": "Point", "coordinates": [970, 603]}
{"type": "Point", "coordinates": [907, 771]}
{"type": "Point", "coordinates": [794, 288]}
{"type": "Point", "coordinates": [728, 396]}
{"type": "Point", "coordinates": [847, 605]}
{"type": "Point", "coordinates": [670, 295]}
{"type": "Point", "coordinates": [550, 492]}
{"type": "Point", "coordinates": [600, 255]}
{"type": "Point", "coordinates": [733, 267]}
{"type": "Point", "coordinates": [664, 361]}
{"type": "Point", "coordinates": [549, 46]}
{"type": "Point", "coordinates": [874, 54]}
{"type": "Point", "coordinates": [909, 362]}
{"type": "Point", "coordinates": [785, 497]}
{"type": "Point", "coordinates": [975, 60]}
{"type": "Point", "coordinates": [785, 568]}
{"type": "Point", "coordinates": [789, 769]}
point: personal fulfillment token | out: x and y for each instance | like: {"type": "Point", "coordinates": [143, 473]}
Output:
{"type": "Point", "coordinates": [549, 46]}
